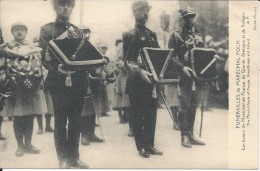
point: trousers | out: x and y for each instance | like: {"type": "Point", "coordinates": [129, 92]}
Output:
{"type": "Point", "coordinates": [88, 126]}
{"type": "Point", "coordinates": [67, 107]}
{"type": "Point", "coordinates": [189, 102]}
{"type": "Point", "coordinates": [143, 118]}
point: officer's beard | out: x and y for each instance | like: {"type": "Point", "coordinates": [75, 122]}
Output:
{"type": "Point", "coordinates": [141, 21]}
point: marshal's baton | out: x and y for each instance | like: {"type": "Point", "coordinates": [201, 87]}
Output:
{"type": "Point", "coordinates": [209, 65]}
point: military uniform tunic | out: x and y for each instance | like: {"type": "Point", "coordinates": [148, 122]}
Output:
{"type": "Point", "coordinates": [142, 95]}
{"type": "Point", "coordinates": [189, 99]}
{"type": "Point", "coordinates": [67, 101]}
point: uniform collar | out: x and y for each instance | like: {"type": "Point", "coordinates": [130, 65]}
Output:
{"type": "Point", "coordinates": [192, 30]}
{"type": "Point", "coordinates": [140, 26]}
{"type": "Point", "coordinates": [61, 21]}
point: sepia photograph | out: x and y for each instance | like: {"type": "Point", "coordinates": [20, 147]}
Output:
{"type": "Point", "coordinates": [128, 84]}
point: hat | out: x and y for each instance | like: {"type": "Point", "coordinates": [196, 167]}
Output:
{"type": "Point", "coordinates": [62, 2]}
{"type": "Point", "coordinates": [140, 4]}
{"type": "Point", "coordinates": [18, 24]}
{"type": "Point", "coordinates": [187, 11]}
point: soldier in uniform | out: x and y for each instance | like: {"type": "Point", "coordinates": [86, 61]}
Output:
{"type": "Point", "coordinates": [67, 100]}
{"type": "Point", "coordinates": [182, 42]}
{"type": "Point", "coordinates": [142, 92]}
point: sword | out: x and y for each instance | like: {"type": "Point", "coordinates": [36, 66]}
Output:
{"type": "Point", "coordinates": [202, 110]}
{"type": "Point", "coordinates": [95, 107]}
{"type": "Point", "coordinates": [164, 100]}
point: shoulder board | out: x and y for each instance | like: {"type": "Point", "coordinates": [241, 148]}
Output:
{"type": "Point", "coordinates": [129, 33]}
{"type": "Point", "coordinates": [48, 25]}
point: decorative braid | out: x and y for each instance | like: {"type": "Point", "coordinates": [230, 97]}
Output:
{"type": "Point", "coordinates": [83, 40]}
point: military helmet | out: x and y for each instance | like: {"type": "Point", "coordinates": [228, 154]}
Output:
{"type": "Point", "coordinates": [138, 4]}
{"type": "Point", "coordinates": [187, 11]}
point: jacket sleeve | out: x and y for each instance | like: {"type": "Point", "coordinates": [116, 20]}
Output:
{"type": "Point", "coordinates": [176, 43]}
{"type": "Point", "coordinates": [44, 39]}
{"type": "Point", "coordinates": [130, 50]}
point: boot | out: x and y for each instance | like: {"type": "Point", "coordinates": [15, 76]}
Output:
{"type": "Point", "coordinates": [121, 119]}
{"type": "Point", "coordinates": [29, 148]}
{"type": "Point", "coordinates": [94, 138]}
{"type": "Point", "coordinates": [195, 141]}
{"type": "Point", "coordinates": [39, 120]}
{"type": "Point", "coordinates": [48, 127]}
{"type": "Point", "coordinates": [185, 142]}
{"type": "Point", "coordinates": [84, 140]}
{"type": "Point", "coordinates": [78, 164]}
{"type": "Point", "coordinates": [19, 152]}
{"type": "Point", "coordinates": [130, 133]}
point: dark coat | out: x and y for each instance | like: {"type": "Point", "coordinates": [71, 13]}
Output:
{"type": "Point", "coordinates": [177, 42]}
{"type": "Point", "coordinates": [133, 41]}
{"type": "Point", "coordinates": [55, 81]}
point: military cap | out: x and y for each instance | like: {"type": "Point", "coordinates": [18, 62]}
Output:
{"type": "Point", "coordinates": [18, 24]}
{"type": "Point", "coordinates": [140, 4]}
{"type": "Point", "coordinates": [187, 11]}
{"type": "Point", "coordinates": [62, 2]}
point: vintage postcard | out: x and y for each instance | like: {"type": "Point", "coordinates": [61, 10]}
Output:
{"type": "Point", "coordinates": [129, 84]}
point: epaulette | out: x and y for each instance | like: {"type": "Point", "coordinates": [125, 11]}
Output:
{"type": "Point", "coordinates": [129, 33]}
{"type": "Point", "coordinates": [47, 25]}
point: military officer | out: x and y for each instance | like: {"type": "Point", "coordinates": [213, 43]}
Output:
{"type": "Point", "coordinates": [141, 90]}
{"type": "Point", "coordinates": [67, 100]}
{"type": "Point", "coordinates": [182, 42]}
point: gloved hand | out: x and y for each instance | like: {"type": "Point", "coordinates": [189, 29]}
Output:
{"type": "Point", "coordinates": [187, 71]}
{"type": "Point", "coordinates": [145, 76]}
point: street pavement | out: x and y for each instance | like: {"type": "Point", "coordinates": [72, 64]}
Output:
{"type": "Point", "coordinates": [119, 151]}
